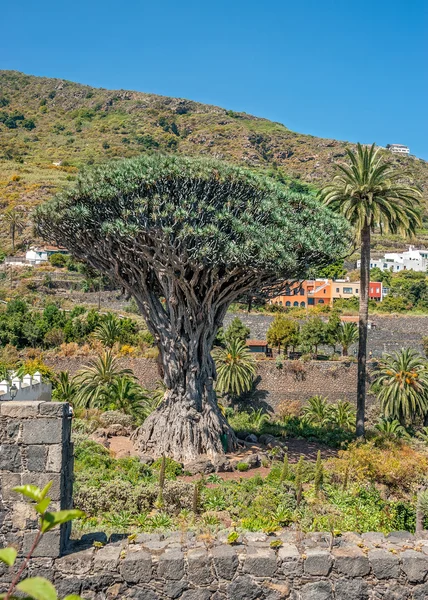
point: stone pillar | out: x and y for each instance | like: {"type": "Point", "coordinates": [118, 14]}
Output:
{"type": "Point", "coordinates": [35, 448]}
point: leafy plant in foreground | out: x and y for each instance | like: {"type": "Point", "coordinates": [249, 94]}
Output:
{"type": "Point", "coordinates": [36, 587]}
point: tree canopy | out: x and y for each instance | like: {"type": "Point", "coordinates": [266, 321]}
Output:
{"type": "Point", "coordinates": [186, 237]}
{"type": "Point", "coordinates": [204, 212]}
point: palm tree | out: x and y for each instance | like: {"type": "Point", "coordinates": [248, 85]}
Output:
{"type": "Point", "coordinates": [370, 194]}
{"type": "Point", "coordinates": [235, 367]}
{"type": "Point", "coordinates": [95, 380]}
{"type": "Point", "coordinates": [65, 389]}
{"type": "Point", "coordinates": [15, 220]}
{"type": "Point", "coordinates": [401, 384]}
{"type": "Point", "coordinates": [127, 396]}
{"type": "Point", "coordinates": [108, 331]}
{"type": "Point", "coordinates": [347, 335]}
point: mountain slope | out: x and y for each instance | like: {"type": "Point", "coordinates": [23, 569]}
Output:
{"type": "Point", "coordinates": [45, 121]}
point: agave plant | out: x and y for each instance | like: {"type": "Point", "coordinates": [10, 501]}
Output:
{"type": "Point", "coordinates": [258, 418]}
{"type": "Point", "coordinates": [401, 384]}
{"type": "Point", "coordinates": [235, 366]}
{"type": "Point", "coordinates": [342, 414]}
{"type": "Point", "coordinates": [317, 412]}
{"type": "Point", "coordinates": [391, 428]}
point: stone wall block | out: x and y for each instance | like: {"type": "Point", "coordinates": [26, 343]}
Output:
{"type": "Point", "coordinates": [171, 565]}
{"type": "Point", "coordinates": [76, 563]}
{"type": "Point", "coordinates": [317, 590]}
{"type": "Point", "coordinates": [36, 458]}
{"type": "Point", "coordinates": [136, 567]}
{"type": "Point", "coordinates": [107, 558]}
{"type": "Point", "coordinates": [50, 544]}
{"type": "Point", "coordinates": [18, 409]}
{"type": "Point", "coordinates": [54, 460]}
{"type": "Point", "coordinates": [54, 409]}
{"type": "Point", "coordinates": [10, 458]}
{"type": "Point", "coordinates": [42, 431]}
{"type": "Point", "coordinates": [351, 562]}
{"type": "Point", "coordinates": [414, 565]}
{"type": "Point", "coordinates": [351, 589]}
{"type": "Point", "coordinates": [199, 566]}
{"type": "Point", "coordinates": [385, 565]}
{"type": "Point", "coordinates": [9, 430]}
{"type": "Point", "coordinates": [42, 479]}
{"type": "Point", "coordinates": [244, 588]}
{"type": "Point", "coordinates": [260, 562]}
{"type": "Point", "coordinates": [225, 561]}
{"type": "Point", "coordinates": [318, 562]}
{"type": "Point", "coordinates": [7, 482]}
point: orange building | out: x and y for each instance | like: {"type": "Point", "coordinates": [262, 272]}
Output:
{"type": "Point", "coordinates": [312, 292]}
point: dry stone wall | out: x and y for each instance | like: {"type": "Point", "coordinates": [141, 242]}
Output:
{"type": "Point", "coordinates": [178, 565]}
{"type": "Point", "coordinates": [35, 448]}
{"type": "Point", "coordinates": [297, 380]}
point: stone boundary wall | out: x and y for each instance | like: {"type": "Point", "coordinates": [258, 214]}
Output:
{"type": "Point", "coordinates": [297, 380]}
{"type": "Point", "coordinates": [35, 448]}
{"type": "Point", "coordinates": [366, 567]}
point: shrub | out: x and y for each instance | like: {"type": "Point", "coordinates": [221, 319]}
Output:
{"type": "Point", "coordinates": [241, 466]}
{"type": "Point", "coordinates": [58, 260]}
{"type": "Point", "coordinates": [394, 464]}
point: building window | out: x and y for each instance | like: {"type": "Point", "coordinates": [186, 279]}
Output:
{"type": "Point", "coordinates": [320, 301]}
{"type": "Point", "coordinates": [302, 304]}
{"type": "Point", "coordinates": [302, 292]}
{"type": "Point", "coordinates": [311, 302]}
{"type": "Point", "coordinates": [288, 303]}
{"type": "Point", "coordinates": [337, 290]}
{"type": "Point", "coordinates": [295, 304]}
{"type": "Point", "coordinates": [377, 290]}
{"type": "Point", "coordinates": [347, 290]}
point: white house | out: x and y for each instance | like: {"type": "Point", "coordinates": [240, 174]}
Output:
{"type": "Point", "coordinates": [410, 260]}
{"type": "Point", "coordinates": [35, 256]}
{"type": "Point", "coordinates": [398, 149]}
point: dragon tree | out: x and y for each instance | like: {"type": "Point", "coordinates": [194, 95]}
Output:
{"type": "Point", "coordinates": [186, 237]}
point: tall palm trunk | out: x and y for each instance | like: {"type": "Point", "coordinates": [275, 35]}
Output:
{"type": "Point", "coordinates": [363, 326]}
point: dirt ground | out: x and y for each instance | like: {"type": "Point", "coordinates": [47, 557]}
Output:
{"type": "Point", "coordinates": [121, 446]}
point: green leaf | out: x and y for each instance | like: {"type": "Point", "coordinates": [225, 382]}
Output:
{"type": "Point", "coordinates": [52, 519]}
{"type": "Point", "coordinates": [38, 588]}
{"type": "Point", "coordinates": [46, 489]}
{"type": "Point", "coordinates": [31, 491]}
{"type": "Point", "coordinates": [42, 506]}
{"type": "Point", "coordinates": [73, 597]}
{"type": "Point", "coordinates": [8, 556]}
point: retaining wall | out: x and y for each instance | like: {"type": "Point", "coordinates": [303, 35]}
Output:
{"type": "Point", "coordinates": [181, 566]}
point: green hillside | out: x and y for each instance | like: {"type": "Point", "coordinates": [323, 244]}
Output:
{"type": "Point", "coordinates": [46, 121]}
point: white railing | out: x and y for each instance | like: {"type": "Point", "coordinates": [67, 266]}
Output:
{"type": "Point", "coordinates": [29, 387]}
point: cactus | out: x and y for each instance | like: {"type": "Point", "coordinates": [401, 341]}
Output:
{"type": "Point", "coordinates": [285, 471]}
{"type": "Point", "coordinates": [319, 474]}
{"type": "Point", "coordinates": [298, 481]}
{"type": "Point", "coordinates": [159, 501]}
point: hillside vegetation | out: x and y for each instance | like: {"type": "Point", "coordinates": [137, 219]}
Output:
{"type": "Point", "coordinates": [46, 121]}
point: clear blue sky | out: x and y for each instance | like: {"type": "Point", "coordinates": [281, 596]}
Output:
{"type": "Point", "coordinates": [346, 69]}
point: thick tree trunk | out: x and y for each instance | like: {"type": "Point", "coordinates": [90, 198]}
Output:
{"type": "Point", "coordinates": [362, 327]}
{"type": "Point", "coordinates": [180, 431]}
{"type": "Point", "coordinates": [188, 423]}
{"type": "Point", "coordinates": [344, 350]}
